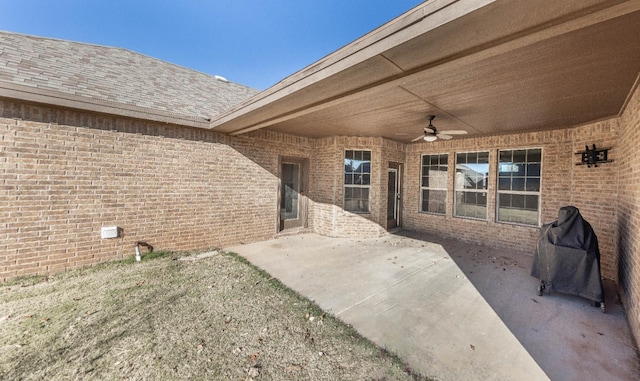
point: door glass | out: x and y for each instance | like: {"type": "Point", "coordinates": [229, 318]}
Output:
{"type": "Point", "coordinates": [391, 198]}
{"type": "Point", "coordinates": [290, 191]}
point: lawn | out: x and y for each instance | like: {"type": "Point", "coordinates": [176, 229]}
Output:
{"type": "Point", "coordinates": [178, 316]}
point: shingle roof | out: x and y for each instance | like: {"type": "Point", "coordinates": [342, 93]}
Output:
{"type": "Point", "coordinates": [115, 75]}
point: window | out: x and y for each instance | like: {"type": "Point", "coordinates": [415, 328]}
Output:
{"type": "Point", "coordinates": [472, 171]}
{"type": "Point", "coordinates": [518, 196]}
{"type": "Point", "coordinates": [357, 181]}
{"type": "Point", "coordinates": [433, 185]}
{"type": "Point", "coordinates": [290, 191]}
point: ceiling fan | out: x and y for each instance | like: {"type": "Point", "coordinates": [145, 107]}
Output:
{"type": "Point", "coordinates": [431, 134]}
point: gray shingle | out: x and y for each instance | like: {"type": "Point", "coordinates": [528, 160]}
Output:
{"type": "Point", "coordinates": [116, 75]}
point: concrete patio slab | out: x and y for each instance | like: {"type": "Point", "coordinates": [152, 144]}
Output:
{"type": "Point", "coordinates": [407, 295]}
{"type": "Point", "coordinates": [566, 335]}
{"type": "Point", "coordinates": [451, 310]}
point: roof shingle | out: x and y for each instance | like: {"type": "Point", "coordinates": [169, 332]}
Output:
{"type": "Point", "coordinates": [115, 75]}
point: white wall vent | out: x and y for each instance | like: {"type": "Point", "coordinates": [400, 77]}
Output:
{"type": "Point", "coordinates": [109, 232]}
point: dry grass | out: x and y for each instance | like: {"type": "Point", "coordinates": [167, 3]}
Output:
{"type": "Point", "coordinates": [213, 318]}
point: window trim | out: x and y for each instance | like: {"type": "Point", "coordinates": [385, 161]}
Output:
{"type": "Point", "coordinates": [423, 188]}
{"type": "Point", "coordinates": [524, 192]}
{"type": "Point", "coordinates": [455, 190]}
{"type": "Point", "coordinates": [360, 186]}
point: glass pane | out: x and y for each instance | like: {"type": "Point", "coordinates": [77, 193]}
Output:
{"type": "Point", "coordinates": [356, 200]}
{"type": "Point", "coordinates": [483, 183]}
{"type": "Point", "coordinates": [364, 200]}
{"type": "Point", "coordinates": [391, 196]}
{"type": "Point", "coordinates": [348, 155]}
{"type": "Point", "coordinates": [472, 170]}
{"type": "Point", "coordinates": [290, 191]}
{"type": "Point", "coordinates": [533, 169]}
{"type": "Point", "coordinates": [434, 174]}
{"type": "Point", "coordinates": [520, 156]}
{"type": "Point", "coordinates": [504, 183]}
{"type": "Point", "coordinates": [521, 209]}
{"type": "Point", "coordinates": [348, 167]}
{"type": "Point", "coordinates": [517, 184]}
{"type": "Point", "coordinates": [534, 155]}
{"type": "Point", "coordinates": [481, 199]}
{"type": "Point", "coordinates": [517, 201]}
{"type": "Point", "coordinates": [504, 200]}
{"type": "Point", "coordinates": [533, 184]}
{"type": "Point", "coordinates": [425, 200]}
{"type": "Point", "coordinates": [518, 169]}
{"type": "Point", "coordinates": [366, 155]}
{"type": "Point", "coordinates": [531, 203]}
{"type": "Point", "coordinates": [471, 204]}
{"type": "Point", "coordinates": [438, 178]}
{"type": "Point", "coordinates": [434, 201]}
{"type": "Point", "coordinates": [505, 156]}
{"type": "Point", "coordinates": [365, 167]}
{"type": "Point", "coordinates": [475, 176]}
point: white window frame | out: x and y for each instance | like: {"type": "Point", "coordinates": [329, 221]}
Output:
{"type": "Point", "coordinates": [434, 188]}
{"type": "Point", "coordinates": [525, 192]}
{"type": "Point", "coordinates": [357, 186]}
{"type": "Point", "coordinates": [471, 190]}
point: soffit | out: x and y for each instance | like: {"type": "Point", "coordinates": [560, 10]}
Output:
{"type": "Point", "coordinates": [502, 67]}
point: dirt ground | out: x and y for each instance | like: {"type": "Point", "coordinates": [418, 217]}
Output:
{"type": "Point", "coordinates": [215, 318]}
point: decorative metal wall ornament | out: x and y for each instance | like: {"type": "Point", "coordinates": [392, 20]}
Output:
{"type": "Point", "coordinates": [593, 156]}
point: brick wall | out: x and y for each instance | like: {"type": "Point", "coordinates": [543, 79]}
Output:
{"type": "Point", "coordinates": [592, 190]}
{"type": "Point", "coordinates": [628, 238]}
{"type": "Point", "coordinates": [67, 174]}
{"type": "Point", "coordinates": [327, 177]}
{"type": "Point", "coordinates": [330, 218]}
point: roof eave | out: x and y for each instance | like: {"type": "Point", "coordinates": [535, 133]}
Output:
{"type": "Point", "coordinates": [395, 32]}
{"type": "Point", "coordinates": [53, 98]}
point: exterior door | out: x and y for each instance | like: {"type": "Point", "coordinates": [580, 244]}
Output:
{"type": "Point", "coordinates": [393, 198]}
{"type": "Point", "coordinates": [293, 202]}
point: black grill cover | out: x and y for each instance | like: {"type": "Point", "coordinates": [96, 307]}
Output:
{"type": "Point", "coordinates": [567, 256]}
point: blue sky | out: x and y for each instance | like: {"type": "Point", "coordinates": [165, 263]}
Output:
{"type": "Point", "coordinates": [253, 42]}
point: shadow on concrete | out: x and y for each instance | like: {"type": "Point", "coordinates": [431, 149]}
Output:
{"type": "Point", "coordinates": [568, 337]}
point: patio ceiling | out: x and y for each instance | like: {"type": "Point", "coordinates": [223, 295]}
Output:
{"type": "Point", "coordinates": [487, 67]}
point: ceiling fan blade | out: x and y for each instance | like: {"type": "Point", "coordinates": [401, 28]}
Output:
{"type": "Point", "coordinates": [429, 130]}
{"type": "Point", "coordinates": [418, 138]}
{"type": "Point", "coordinates": [444, 137]}
{"type": "Point", "coordinates": [454, 132]}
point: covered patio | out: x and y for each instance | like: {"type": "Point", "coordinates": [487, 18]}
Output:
{"type": "Point", "coordinates": [530, 78]}
{"type": "Point", "coordinates": [452, 310]}
{"type": "Point", "coordinates": [337, 146]}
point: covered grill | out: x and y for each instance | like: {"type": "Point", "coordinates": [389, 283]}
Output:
{"type": "Point", "coordinates": [567, 258]}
